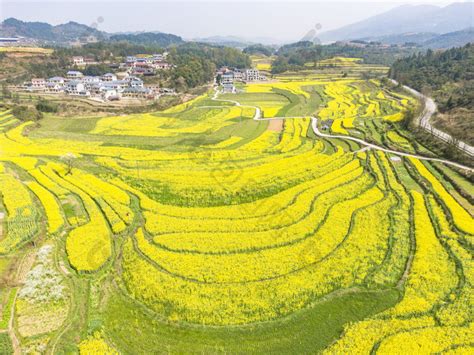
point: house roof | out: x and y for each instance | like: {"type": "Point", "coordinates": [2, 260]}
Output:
{"type": "Point", "coordinates": [137, 90]}
{"type": "Point", "coordinates": [73, 72]}
{"type": "Point", "coordinates": [74, 82]}
{"type": "Point", "coordinates": [106, 88]}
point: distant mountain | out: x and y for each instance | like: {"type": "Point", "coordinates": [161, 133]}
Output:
{"type": "Point", "coordinates": [452, 39]}
{"type": "Point", "coordinates": [73, 32]}
{"type": "Point", "coordinates": [402, 38]}
{"type": "Point", "coordinates": [407, 19]}
{"type": "Point", "coordinates": [427, 40]}
{"type": "Point", "coordinates": [238, 42]}
{"type": "Point", "coordinates": [44, 32]}
{"type": "Point", "coordinates": [229, 41]}
{"type": "Point", "coordinates": [148, 38]}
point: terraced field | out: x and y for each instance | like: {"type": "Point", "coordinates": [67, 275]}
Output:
{"type": "Point", "coordinates": [201, 230]}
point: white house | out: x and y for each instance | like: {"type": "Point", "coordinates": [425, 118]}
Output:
{"type": "Point", "coordinates": [227, 78]}
{"type": "Point", "coordinates": [78, 60]}
{"type": "Point", "coordinates": [238, 75]}
{"type": "Point", "coordinates": [135, 83]}
{"type": "Point", "coordinates": [54, 88]}
{"type": "Point", "coordinates": [76, 87]}
{"type": "Point", "coordinates": [118, 85]}
{"type": "Point", "coordinates": [57, 80]}
{"type": "Point", "coordinates": [162, 65]}
{"type": "Point", "coordinates": [109, 93]}
{"type": "Point", "coordinates": [138, 92]}
{"type": "Point", "coordinates": [91, 79]}
{"type": "Point", "coordinates": [251, 75]}
{"type": "Point", "coordinates": [74, 74]}
{"type": "Point", "coordinates": [108, 77]}
{"type": "Point", "coordinates": [38, 83]}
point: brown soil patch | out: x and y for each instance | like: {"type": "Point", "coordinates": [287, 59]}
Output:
{"type": "Point", "coordinates": [275, 125]}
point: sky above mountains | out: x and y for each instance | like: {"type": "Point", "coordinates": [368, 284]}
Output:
{"type": "Point", "coordinates": [264, 21]}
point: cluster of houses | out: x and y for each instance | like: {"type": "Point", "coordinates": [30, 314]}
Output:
{"type": "Point", "coordinates": [106, 87]}
{"type": "Point", "coordinates": [140, 64]}
{"type": "Point", "coordinates": [146, 64]}
{"type": "Point", "coordinates": [227, 77]}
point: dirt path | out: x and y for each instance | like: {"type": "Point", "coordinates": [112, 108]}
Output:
{"type": "Point", "coordinates": [276, 125]}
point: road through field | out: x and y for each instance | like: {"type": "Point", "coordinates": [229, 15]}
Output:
{"type": "Point", "coordinates": [314, 124]}
{"type": "Point", "coordinates": [424, 121]}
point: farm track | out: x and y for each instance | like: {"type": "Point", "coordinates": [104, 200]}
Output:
{"type": "Point", "coordinates": [314, 126]}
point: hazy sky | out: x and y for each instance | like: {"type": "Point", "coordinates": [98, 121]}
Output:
{"type": "Point", "coordinates": [280, 20]}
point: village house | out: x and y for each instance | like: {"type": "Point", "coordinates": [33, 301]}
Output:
{"type": "Point", "coordinates": [238, 75]}
{"type": "Point", "coordinates": [142, 71]}
{"type": "Point", "coordinates": [138, 92]}
{"type": "Point", "coordinates": [90, 81]}
{"type": "Point", "coordinates": [57, 80]}
{"type": "Point", "coordinates": [78, 60]}
{"type": "Point", "coordinates": [135, 82]}
{"type": "Point", "coordinates": [251, 75]}
{"type": "Point", "coordinates": [109, 93]}
{"type": "Point", "coordinates": [162, 65]}
{"type": "Point", "coordinates": [74, 74]}
{"type": "Point", "coordinates": [227, 78]}
{"type": "Point", "coordinates": [89, 60]}
{"type": "Point", "coordinates": [38, 83]}
{"type": "Point", "coordinates": [118, 85]}
{"type": "Point", "coordinates": [76, 87]}
{"type": "Point", "coordinates": [54, 88]}
{"type": "Point", "coordinates": [108, 77]}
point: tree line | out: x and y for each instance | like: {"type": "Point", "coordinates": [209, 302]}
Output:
{"type": "Point", "coordinates": [294, 56]}
{"type": "Point", "coordinates": [448, 75]}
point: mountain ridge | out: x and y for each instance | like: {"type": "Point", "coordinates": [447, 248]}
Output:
{"type": "Point", "coordinates": [73, 32]}
{"type": "Point", "coordinates": [406, 19]}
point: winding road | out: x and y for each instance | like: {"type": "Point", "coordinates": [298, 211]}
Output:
{"type": "Point", "coordinates": [424, 117]}
{"type": "Point", "coordinates": [314, 125]}
{"type": "Point", "coordinates": [424, 121]}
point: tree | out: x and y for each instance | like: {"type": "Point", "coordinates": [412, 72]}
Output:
{"type": "Point", "coordinates": [46, 106]}
{"type": "Point", "coordinates": [69, 159]}
{"type": "Point", "coordinates": [26, 113]}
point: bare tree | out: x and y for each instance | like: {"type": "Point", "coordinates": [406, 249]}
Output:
{"type": "Point", "coordinates": [69, 159]}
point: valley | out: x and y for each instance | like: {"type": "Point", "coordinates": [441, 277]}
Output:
{"type": "Point", "coordinates": [299, 214]}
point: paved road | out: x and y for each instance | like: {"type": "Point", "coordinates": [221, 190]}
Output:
{"type": "Point", "coordinates": [314, 125]}
{"type": "Point", "coordinates": [424, 121]}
